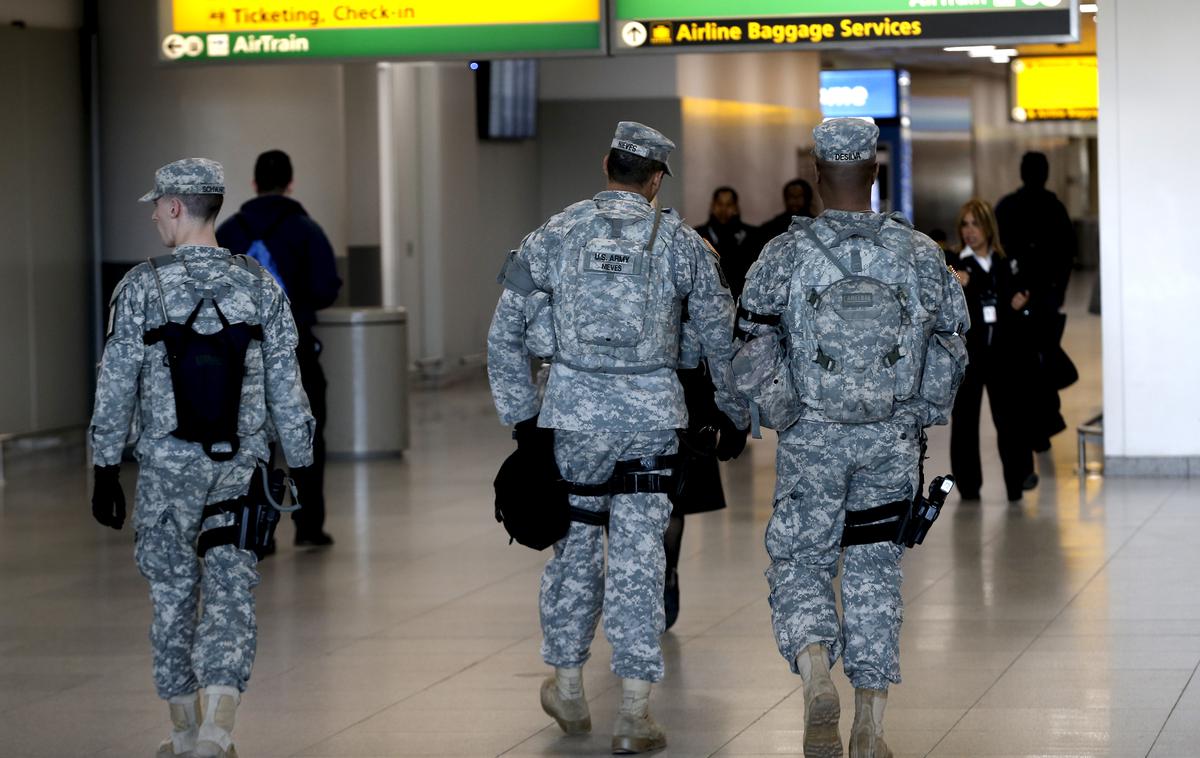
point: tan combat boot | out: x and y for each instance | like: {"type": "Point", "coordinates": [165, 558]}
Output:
{"type": "Point", "coordinates": [821, 705]}
{"type": "Point", "coordinates": [635, 731]}
{"type": "Point", "coordinates": [866, 738]}
{"type": "Point", "coordinates": [216, 730]}
{"type": "Point", "coordinates": [563, 698]}
{"type": "Point", "coordinates": [185, 718]}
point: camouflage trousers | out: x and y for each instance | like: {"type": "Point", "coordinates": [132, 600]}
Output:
{"type": "Point", "coordinates": [823, 470]}
{"type": "Point", "coordinates": [575, 586]}
{"type": "Point", "coordinates": [194, 648]}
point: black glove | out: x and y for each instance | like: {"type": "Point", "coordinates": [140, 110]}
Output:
{"type": "Point", "coordinates": [108, 499]}
{"type": "Point", "coordinates": [531, 438]}
{"type": "Point", "coordinates": [732, 441]}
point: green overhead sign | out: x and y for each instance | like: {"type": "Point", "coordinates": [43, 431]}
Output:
{"type": "Point", "coordinates": [217, 30]}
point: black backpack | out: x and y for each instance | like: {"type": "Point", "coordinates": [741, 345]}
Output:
{"type": "Point", "coordinates": [206, 370]}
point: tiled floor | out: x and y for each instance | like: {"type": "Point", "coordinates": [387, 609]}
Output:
{"type": "Point", "coordinates": [1066, 625]}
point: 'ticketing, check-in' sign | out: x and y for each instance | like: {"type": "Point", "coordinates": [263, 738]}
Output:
{"type": "Point", "coordinates": [695, 25]}
{"type": "Point", "coordinates": [387, 29]}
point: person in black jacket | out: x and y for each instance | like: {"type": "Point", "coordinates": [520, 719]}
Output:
{"type": "Point", "coordinates": [736, 242]}
{"type": "Point", "coordinates": [275, 230]}
{"type": "Point", "coordinates": [797, 201]}
{"type": "Point", "coordinates": [1001, 359]}
{"type": "Point", "coordinates": [1036, 231]}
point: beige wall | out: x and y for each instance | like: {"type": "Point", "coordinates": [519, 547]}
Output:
{"type": "Point", "coordinates": [43, 223]}
{"type": "Point", "coordinates": [152, 114]}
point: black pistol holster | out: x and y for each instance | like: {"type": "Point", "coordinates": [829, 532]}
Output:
{"type": "Point", "coordinates": [250, 520]}
{"type": "Point", "coordinates": [904, 522]}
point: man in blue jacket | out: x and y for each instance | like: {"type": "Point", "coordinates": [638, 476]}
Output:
{"type": "Point", "coordinates": [275, 230]}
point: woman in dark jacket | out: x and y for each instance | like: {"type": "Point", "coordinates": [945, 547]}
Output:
{"type": "Point", "coordinates": [1001, 359]}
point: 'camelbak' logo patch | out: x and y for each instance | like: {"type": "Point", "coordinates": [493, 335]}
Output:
{"type": "Point", "coordinates": [858, 300]}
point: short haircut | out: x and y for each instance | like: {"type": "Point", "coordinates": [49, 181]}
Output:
{"type": "Point", "coordinates": [802, 184]}
{"type": "Point", "coordinates": [630, 169]}
{"type": "Point", "coordinates": [1035, 169]}
{"type": "Point", "coordinates": [273, 171]}
{"type": "Point", "coordinates": [202, 207]}
{"type": "Point", "coordinates": [721, 190]}
{"type": "Point", "coordinates": [986, 218]}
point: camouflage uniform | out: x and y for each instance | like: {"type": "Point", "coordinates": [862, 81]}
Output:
{"type": "Point", "coordinates": [608, 406]}
{"type": "Point", "coordinates": [176, 478]}
{"type": "Point", "coordinates": [825, 468]}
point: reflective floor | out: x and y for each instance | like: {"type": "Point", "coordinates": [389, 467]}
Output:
{"type": "Point", "coordinates": [1065, 625]}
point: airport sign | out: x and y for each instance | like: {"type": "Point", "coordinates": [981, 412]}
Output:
{"type": "Point", "coordinates": [640, 26]}
{"type": "Point", "coordinates": [216, 30]}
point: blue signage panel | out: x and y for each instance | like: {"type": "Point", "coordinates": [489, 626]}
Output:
{"type": "Point", "coordinates": [869, 93]}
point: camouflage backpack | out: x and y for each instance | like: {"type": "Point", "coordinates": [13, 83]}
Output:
{"type": "Point", "coordinates": [615, 307]}
{"type": "Point", "coordinates": [858, 341]}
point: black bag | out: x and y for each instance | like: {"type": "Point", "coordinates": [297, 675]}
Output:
{"type": "Point", "coordinates": [1057, 368]}
{"type": "Point", "coordinates": [206, 374]}
{"type": "Point", "coordinates": [531, 500]}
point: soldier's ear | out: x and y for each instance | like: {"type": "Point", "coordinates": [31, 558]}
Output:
{"type": "Point", "coordinates": [604, 165]}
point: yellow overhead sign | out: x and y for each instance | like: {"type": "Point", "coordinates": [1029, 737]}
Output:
{"type": "Point", "coordinates": [261, 30]}
{"type": "Point", "coordinates": [1065, 87]}
{"type": "Point", "coordinates": [275, 15]}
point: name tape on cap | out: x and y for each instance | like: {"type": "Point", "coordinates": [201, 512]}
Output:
{"type": "Point", "coordinates": [631, 147]}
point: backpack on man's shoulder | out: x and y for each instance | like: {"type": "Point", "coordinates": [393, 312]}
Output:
{"type": "Point", "coordinates": [207, 370]}
{"type": "Point", "coordinates": [860, 336]}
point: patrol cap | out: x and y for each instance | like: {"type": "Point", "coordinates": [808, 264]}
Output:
{"type": "Point", "coordinates": [643, 140]}
{"type": "Point", "coordinates": [845, 140]}
{"type": "Point", "coordinates": [189, 176]}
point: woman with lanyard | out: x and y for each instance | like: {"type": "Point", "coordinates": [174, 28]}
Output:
{"type": "Point", "coordinates": [1000, 357]}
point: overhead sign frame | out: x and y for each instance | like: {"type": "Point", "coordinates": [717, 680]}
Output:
{"type": "Point", "coordinates": [286, 41]}
{"type": "Point", "coordinates": [997, 26]}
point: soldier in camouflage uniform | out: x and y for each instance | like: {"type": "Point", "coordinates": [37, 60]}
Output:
{"type": "Point", "coordinates": [598, 290]}
{"type": "Point", "coordinates": [211, 653]}
{"type": "Point", "coordinates": [839, 455]}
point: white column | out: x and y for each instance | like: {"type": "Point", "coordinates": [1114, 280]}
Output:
{"type": "Point", "coordinates": [1150, 256]}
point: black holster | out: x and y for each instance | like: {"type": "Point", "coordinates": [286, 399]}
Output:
{"type": "Point", "coordinates": [255, 514]}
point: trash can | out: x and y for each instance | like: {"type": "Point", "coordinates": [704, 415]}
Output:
{"type": "Point", "coordinates": [365, 357]}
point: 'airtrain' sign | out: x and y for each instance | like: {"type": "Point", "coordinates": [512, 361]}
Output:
{"type": "Point", "coordinates": [220, 30]}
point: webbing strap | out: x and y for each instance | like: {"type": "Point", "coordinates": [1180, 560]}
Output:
{"type": "Point", "coordinates": [626, 484]}
{"type": "Point", "coordinates": [162, 298]}
{"type": "Point", "coordinates": [632, 477]}
{"type": "Point", "coordinates": [827, 252]}
{"type": "Point", "coordinates": [616, 370]}
{"type": "Point", "coordinates": [223, 535]}
{"type": "Point", "coordinates": [879, 524]}
{"type": "Point", "coordinates": [591, 518]}
{"type": "Point", "coordinates": [649, 463]}
{"type": "Point", "coordinates": [765, 319]}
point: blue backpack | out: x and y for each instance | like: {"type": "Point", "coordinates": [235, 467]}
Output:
{"type": "Point", "coordinates": [259, 251]}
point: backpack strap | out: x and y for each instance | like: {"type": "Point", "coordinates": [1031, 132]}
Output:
{"type": "Point", "coordinates": [161, 260]}
{"type": "Point", "coordinates": [658, 215]}
{"type": "Point", "coordinates": [826, 251]}
{"type": "Point", "coordinates": [254, 267]}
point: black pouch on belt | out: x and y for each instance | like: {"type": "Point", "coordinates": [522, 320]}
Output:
{"type": "Point", "coordinates": [254, 515]}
